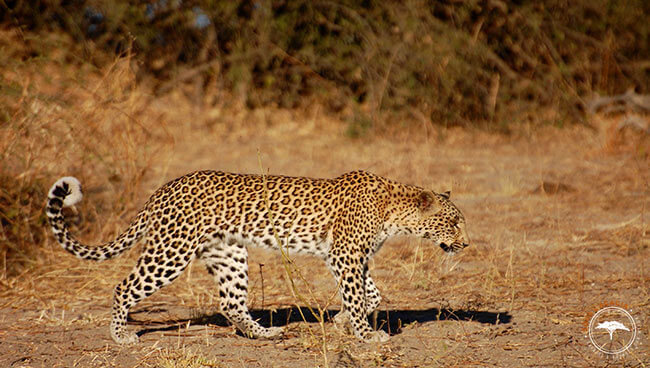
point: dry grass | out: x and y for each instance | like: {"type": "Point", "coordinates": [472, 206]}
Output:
{"type": "Point", "coordinates": [72, 120]}
{"type": "Point", "coordinates": [517, 297]}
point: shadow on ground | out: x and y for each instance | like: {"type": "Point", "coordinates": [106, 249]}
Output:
{"type": "Point", "coordinates": [390, 321]}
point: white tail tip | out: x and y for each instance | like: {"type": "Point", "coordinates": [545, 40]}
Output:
{"type": "Point", "coordinates": [70, 188]}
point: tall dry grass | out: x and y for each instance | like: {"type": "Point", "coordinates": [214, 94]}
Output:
{"type": "Point", "coordinates": [63, 116]}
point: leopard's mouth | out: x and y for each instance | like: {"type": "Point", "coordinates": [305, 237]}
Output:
{"type": "Point", "coordinates": [453, 248]}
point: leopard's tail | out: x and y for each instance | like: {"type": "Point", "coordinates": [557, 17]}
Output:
{"type": "Point", "coordinates": [66, 192]}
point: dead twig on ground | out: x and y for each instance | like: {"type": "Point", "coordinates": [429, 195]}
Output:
{"type": "Point", "coordinates": [628, 101]}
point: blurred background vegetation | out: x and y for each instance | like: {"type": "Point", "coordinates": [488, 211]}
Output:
{"type": "Point", "coordinates": [99, 89]}
{"type": "Point", "coordinates": [485, 63]}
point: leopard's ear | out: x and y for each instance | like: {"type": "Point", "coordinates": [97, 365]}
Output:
{"type": "Point", "coordinates": [428, 202]}
{"type": "Point", "coordinates": [446, 194]}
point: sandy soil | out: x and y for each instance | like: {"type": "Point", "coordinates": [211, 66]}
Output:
{"type": "Point", "coordinates": [559, 221]}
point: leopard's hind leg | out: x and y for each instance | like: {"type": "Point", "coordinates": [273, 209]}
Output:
{"type": "Point", "coordinates": [158, 265]}
{"type": "Point", "coordinates": [227, 262]}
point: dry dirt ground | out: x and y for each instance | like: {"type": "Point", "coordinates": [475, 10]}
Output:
{"type": "Point", "coordinates": [559, 222]}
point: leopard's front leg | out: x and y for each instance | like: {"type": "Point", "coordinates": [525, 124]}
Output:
{"type": "Point", "coordinates": [342, 319]}
{"type": "Point", "coordinates": [350, 275]}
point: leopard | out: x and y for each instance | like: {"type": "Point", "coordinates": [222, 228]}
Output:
{"type": "Point", "coordinates": [215, 216]}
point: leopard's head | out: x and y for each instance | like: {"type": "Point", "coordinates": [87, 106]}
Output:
{"type": "Point", "coordinates": [441, 221]}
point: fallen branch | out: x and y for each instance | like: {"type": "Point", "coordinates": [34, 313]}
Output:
{"type": "Point", "coordinates": [634, 122]}
{"type": "Point", "coordinates": [619, 103]}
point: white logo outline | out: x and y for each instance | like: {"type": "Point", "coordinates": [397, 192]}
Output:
{"type": "Point", "coordinates": [611, 327]}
